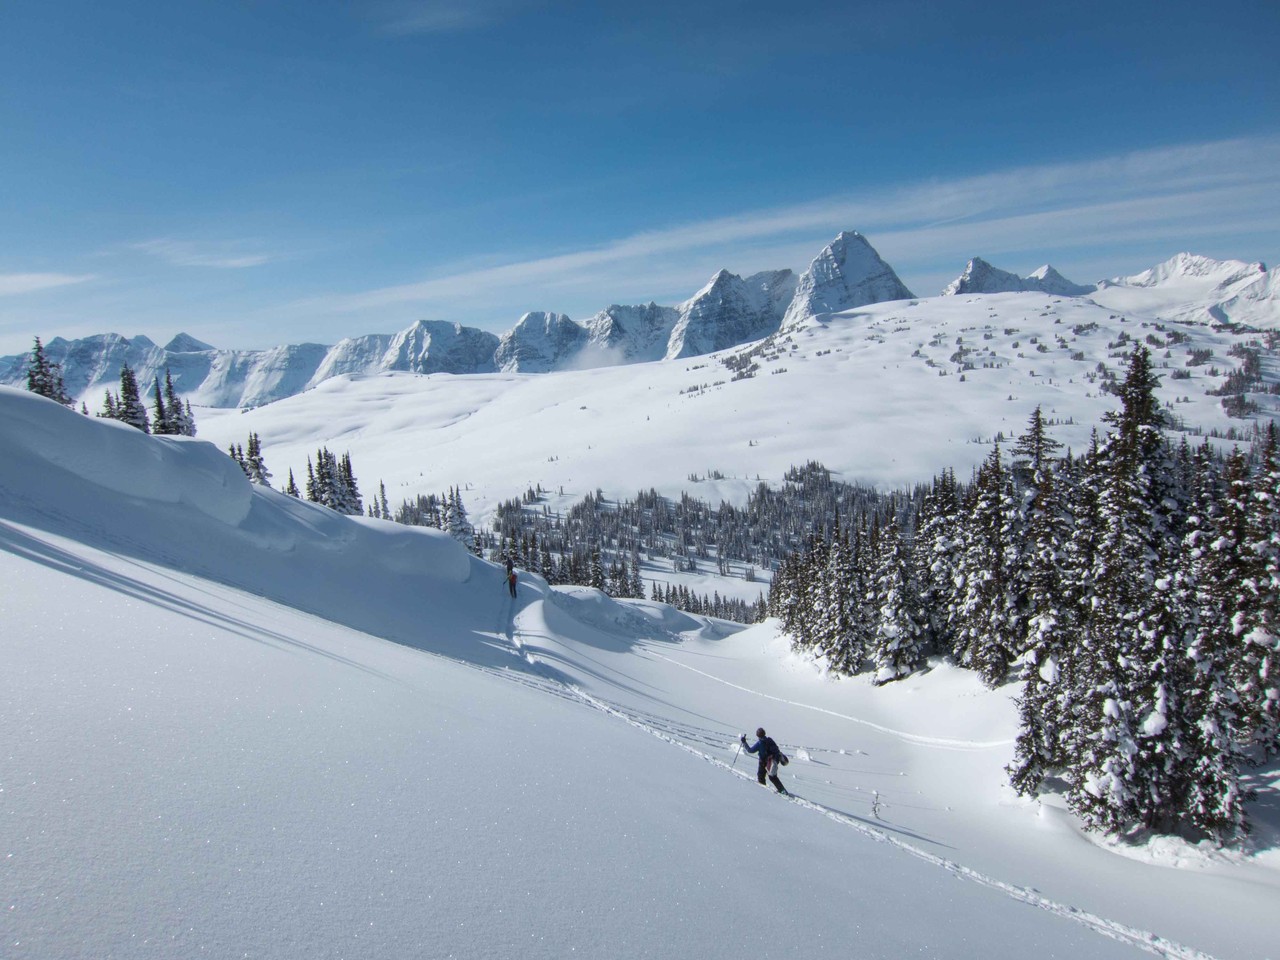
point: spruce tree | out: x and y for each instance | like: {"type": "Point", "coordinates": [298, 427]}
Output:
{"type": "Point", "coordinates": [936, 557]}
{"type": "Point", "coordinates": [1130, 762]}
{"type": "Point", "coordinates": [44, 377]}
{"type": "Point", "coordinates": [1216, 567]}
{"type": "Point", "coordinates": [1052, 628]}
{"type": "Point", "coordinates": [254, 464]}
{"type": "Point", "coordinates": [1255, 670]}
{"type": "Point", "coordinates": [988, 627]}
{"type": "Point", "coordinates": [897, 649]}
{"type": "Point", "coordinates": [129, 408]}
{"type": "Point", "coordinates": [161, 424]}
{"type": "Point", "coordinates": [455, 520]}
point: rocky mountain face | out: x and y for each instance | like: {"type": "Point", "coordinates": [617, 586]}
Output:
{"type": "Point", "coordinates": [981, 277]}
{"type": "Point", "coordinates": [728, 311]}
{"type": "Point", "coordinates": [635, 334]}
{"type": "Point", "coordinates": [540, 343]}
{"type": "Point", "coordinates": [848, 273]}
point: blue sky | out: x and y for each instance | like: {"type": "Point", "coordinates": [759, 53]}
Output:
{"type": "Point", "coordinates": [257, 172]}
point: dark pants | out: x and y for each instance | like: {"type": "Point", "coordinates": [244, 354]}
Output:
{"type": "Point", "coordinates": [762, 770]}
{"type": "Point", "coordinates": [511, 582]}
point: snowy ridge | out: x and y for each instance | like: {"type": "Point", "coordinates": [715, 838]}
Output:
{"type": "Point", "coordinates": [729, 311]}
{"type": "Point", "coordinates": [1195, 289]}
{"type": "Point", "coordinates": [981, 277]}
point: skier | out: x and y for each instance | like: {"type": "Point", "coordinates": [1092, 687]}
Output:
{"type": "Point", "coordinates": [770, 755]}
{"type": "Point", "coordinates": [511, 576]}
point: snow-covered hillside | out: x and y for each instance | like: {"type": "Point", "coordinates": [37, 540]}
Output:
{"type": "Point", "coordinates": [1198, 290]}
{"type": "Point", "coordinates": [238, 724]}
{"type": "Point", "coordinates": [888, 394]}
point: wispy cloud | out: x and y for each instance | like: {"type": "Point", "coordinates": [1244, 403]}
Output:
{"type": "Point", "coordinates": [16, 283]}
{"type": "Point", "coordinates": [1177, 195]}
{"type": "Point", "coordinates": [410, 17]}
{"type": "Point", "coordinates": [222, 255]}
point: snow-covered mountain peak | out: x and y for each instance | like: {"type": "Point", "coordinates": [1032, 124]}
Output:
{"type": "Point", "coordinates": [729, 311]}
{"type": "Point", "coordinates": [847, 273]}
{"type": "Point", "coordinates": [1049, 280]}
{"type": "Point", "coordinates": [1198, 289]}
{"type": "Point", "coordinates": [981, 277]}
{"type": "Point", "coordinates": [185, 343]}
{"type": "Point", "coordinates": [1190, 266]}
{"type": "Point", "coordinates": [539, 342]}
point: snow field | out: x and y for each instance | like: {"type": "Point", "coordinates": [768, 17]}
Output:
{"type": "Point", "coordinates": [210, 746]}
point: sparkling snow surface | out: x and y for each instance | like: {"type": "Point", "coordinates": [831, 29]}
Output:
{"type": "Point", "coordinates": [234, 724]}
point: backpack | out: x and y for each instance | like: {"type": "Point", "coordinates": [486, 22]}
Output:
{"type": "Point", "coordinates": [772, 749]}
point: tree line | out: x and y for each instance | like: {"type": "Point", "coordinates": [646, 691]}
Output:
{"type": "Point", "coordinates": [1132, 592]}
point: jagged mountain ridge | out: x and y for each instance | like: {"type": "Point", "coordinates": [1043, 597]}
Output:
{"type": "Point", "coordinates": [981, 277]}
{"type": "Point", "coordinates": [727, 312]}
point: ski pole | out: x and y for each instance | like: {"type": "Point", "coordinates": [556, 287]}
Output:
{"type": "Point", "coordinates": [735, 755]}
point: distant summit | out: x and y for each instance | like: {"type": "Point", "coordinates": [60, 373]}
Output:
{"type": "Point", "coordinates": [729, 311]}
{"type": "Point", "coordinates": [848, 273]}
{"type": "Point", "coordinates": [981, 277]}
{"type": "Point", "coordinates": [1196, 289]}
{"type": "Point", "coordinates": [185, 343]}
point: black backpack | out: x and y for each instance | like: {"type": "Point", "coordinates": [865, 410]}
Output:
{"type": "Point", "coordinates": [772, 749]}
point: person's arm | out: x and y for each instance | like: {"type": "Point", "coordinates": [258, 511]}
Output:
{"type": "Point", "coordinates": [751, 749]}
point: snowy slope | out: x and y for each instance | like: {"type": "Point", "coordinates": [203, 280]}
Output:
{"type": "Point", "coordinates": [1198, 289]}
{"type": "Point", "coordinates": [888, 394]}
{"type": "Point", "coordinates": [210, 747]}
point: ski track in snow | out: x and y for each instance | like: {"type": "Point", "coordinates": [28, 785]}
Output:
{"type": "Point", "coordinates": [940, 742]}
{"type": "Point", "coordinates": [1142, 939]}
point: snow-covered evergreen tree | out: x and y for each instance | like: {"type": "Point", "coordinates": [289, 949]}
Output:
{"type": "Point", "coordinates": [456, 523]}
{"type": "Point", "coordinates": [937, 559]}
{"type": "Point", "coordinates": [1256, 625]}
{"type": "Point", "coordinates": [255, 467]}
{"type": "Point", "coordinates": [1214, 570]}
{"type": "Point", "coordinates": [161, 425]}
{"type": "Point", "coordinates": [596, 577]}
{"type": "Point", "coordinates": [988, 632]}
{"type": "Point", "coordinates": [1131, 758]}
{"type": "Point", "coordinates": [129, 408]}
{"type": "Point", "coordinates": [169, 415]}
{"type": "Point", "coordinates": [897, 649]}
{"type": "Point", "coordinates": [44, 377]}
{"type": "Point", "coordinates": [1052, 623]}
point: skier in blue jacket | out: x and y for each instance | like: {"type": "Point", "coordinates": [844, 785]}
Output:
{"type": "Point", "coordinates": [770, 755]}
